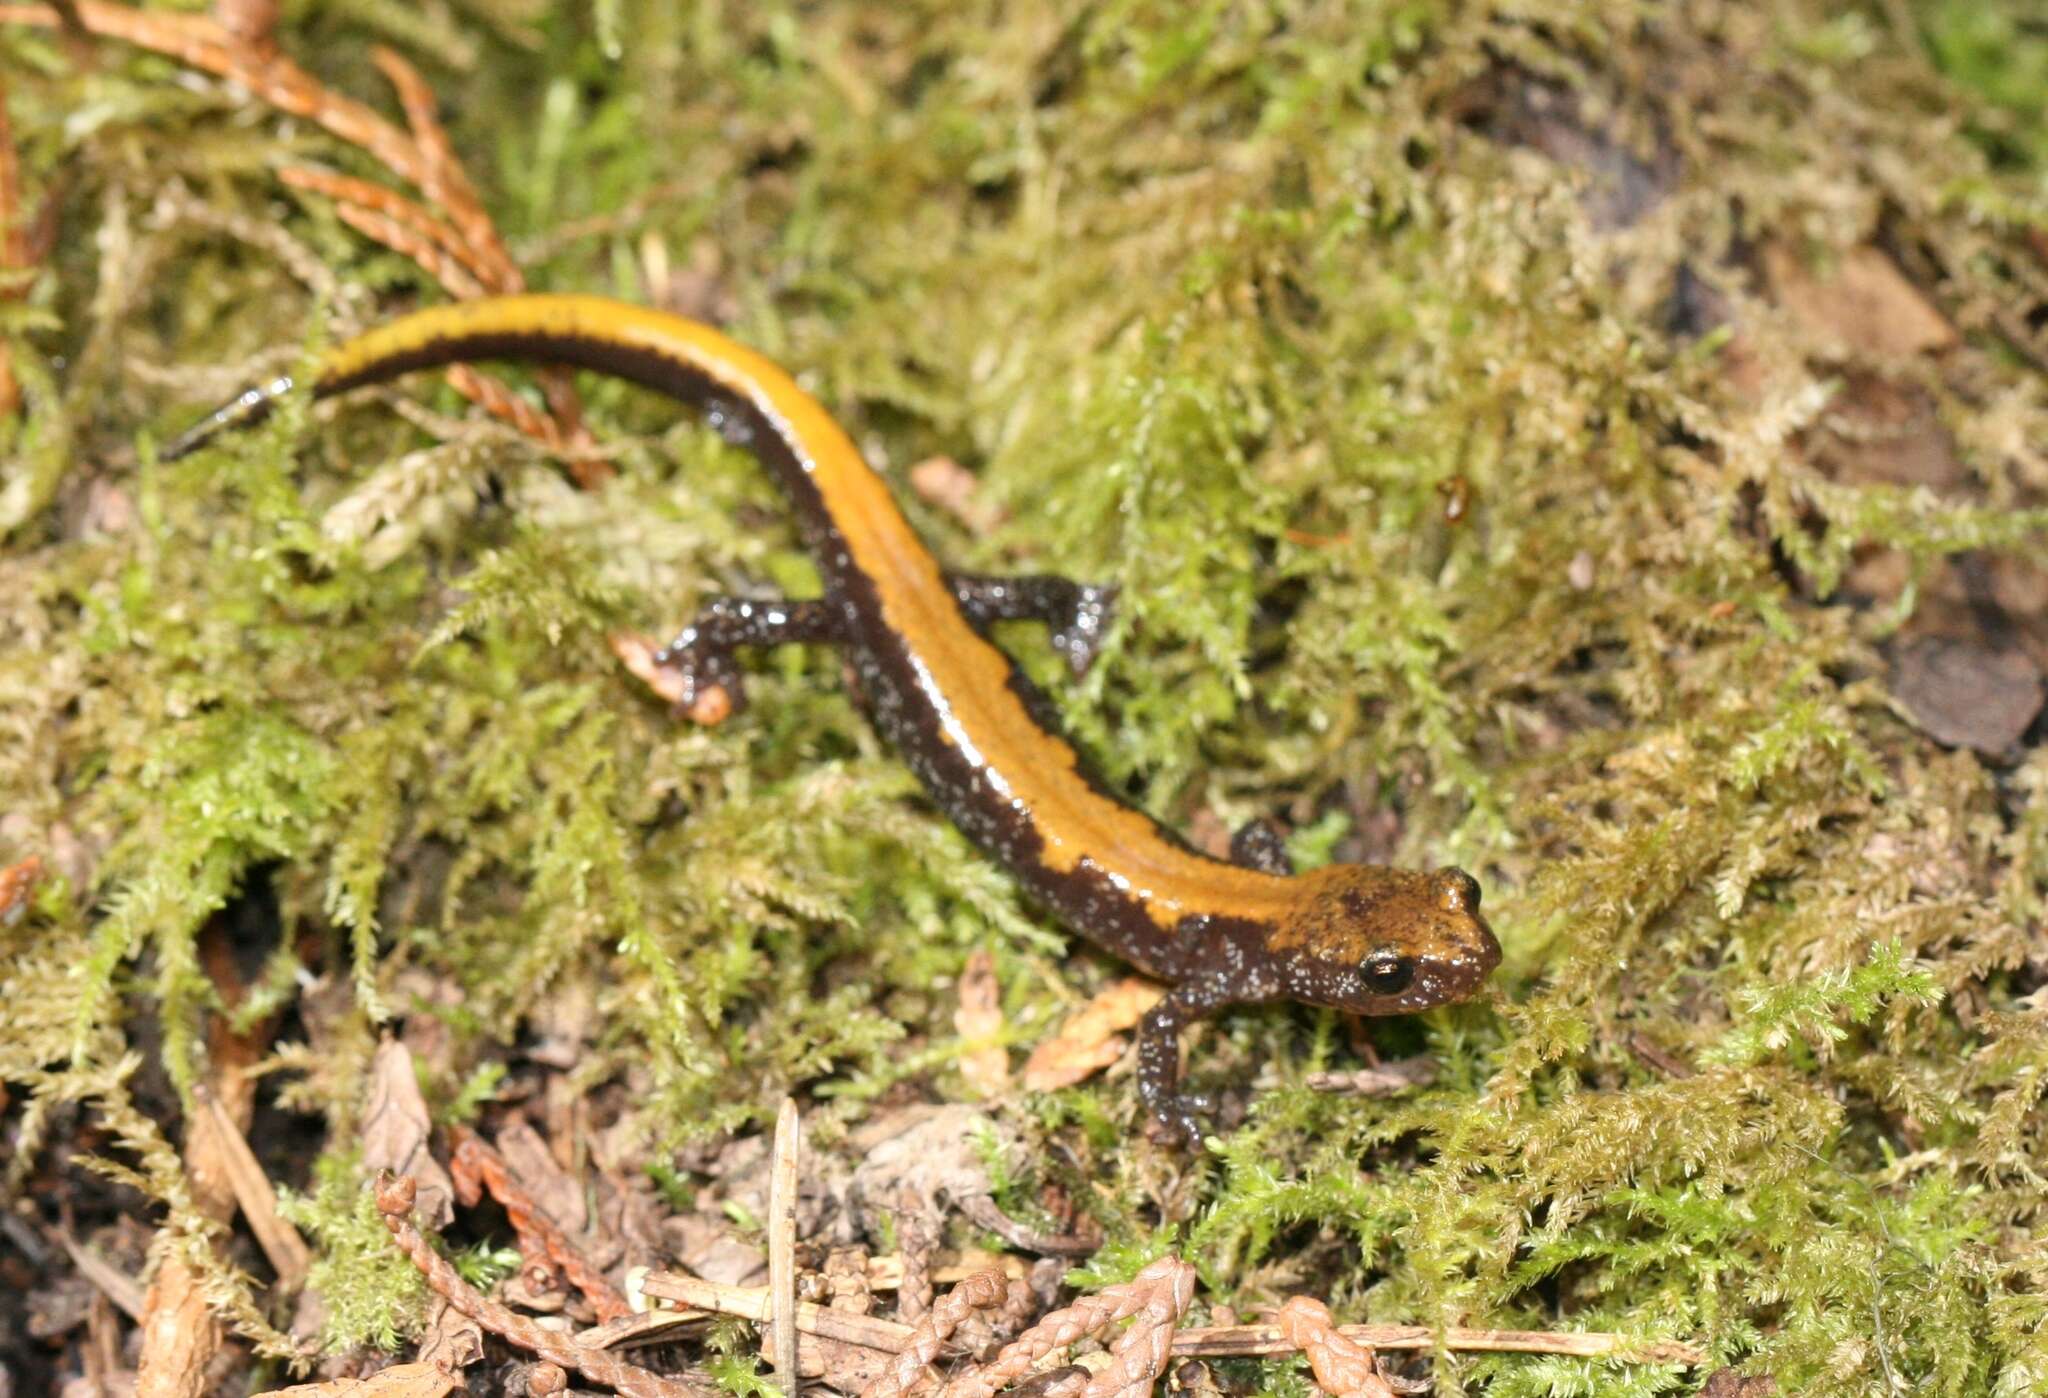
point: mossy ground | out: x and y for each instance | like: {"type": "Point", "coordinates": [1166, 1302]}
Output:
{"type": "Point", "coordinates": [1212, 298]}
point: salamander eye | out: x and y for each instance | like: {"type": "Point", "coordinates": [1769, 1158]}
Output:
{"type": "Point", "coordinates": [1386, 973]}
{"type": "Point", "coordinates": [1457, 891]}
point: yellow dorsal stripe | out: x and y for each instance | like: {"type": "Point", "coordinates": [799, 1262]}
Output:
{"type": "Point", "coordinates": [964, 674]}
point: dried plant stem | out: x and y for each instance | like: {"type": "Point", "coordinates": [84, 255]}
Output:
{"type": "Point", "coordinates": [441, 174]}
{"type": "Point", "coordinates": [254, 22]}
{"type": "Point", "coordinates": [1341, 1365]}
{"type": "Point", "coordinates": [476, 1167]}
{"type": "Point", "coordinates": [254, 1194]}
{"type": "Point", "coordinates": [1168, 1283]}
{"type": "Point", "coordinates": [1216, 1341]}
{"type": "Point", "coordinates": [782, 1186]}
{"type": "Point", "coordinates": [508, 407]}
{"type": "Point", "coordinates": [401, 238]}
{"type": "Point", "coordinates": [981, 1292]}
{"type": "Point", "coordinates": [753, 1303]}
{"type": "Point", "coordinates": [394, 1200]}
{"type": "Point", "coordinates": [351, 193]}
{"type": "Point", "coordinates": [120, 1288]}
{"type": "Point", "coordinates": [1225, 1341]}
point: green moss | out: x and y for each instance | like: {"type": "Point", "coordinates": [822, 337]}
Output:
{"type": "Point", "coordinates": [371, 1292]}
{"type": "Point", "coordinates": [1212, 299]}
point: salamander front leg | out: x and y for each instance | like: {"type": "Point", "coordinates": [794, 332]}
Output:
{"type": "Point", "coordinates": [1078, 613]}
{"type": "Point", "coordinates": [702, 658]}
{"type": "Point", "coordinates": [1258, 844]}
{"type": "Point", "coordinates": [1174, 1114]}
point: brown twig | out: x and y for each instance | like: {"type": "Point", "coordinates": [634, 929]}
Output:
{"type": "Point", "coordinates": [476, 1167]}
{"type": "Point", "coordinates": [1342, 1366]}
{"type": "Point", "coordinates": [1215, 1341]}
{"type": "Point", "coordinates": [983, 1213]}
{"type": "Point", "coordinates": [917, 1238]}
{"type": "Point", "coordinates": [506, 406]}
{"type": "Point", "coordinates": [402, 239]}
{"type": "Point", "coordinates": [120, 1288]}
{"type": "Point", "coordinates": [633, 1329]}
{"type": "Point", "coordinates": [254, 22]}
{"type": "Point", "coordinates": [398, 1381]}
{"type": "Point", "coordinates": [394, 1201]}
{"type": "Point", "coordinates": [1166, 1285]}
{"type": "Point", "coordinates": [752, 1303]}
{"type": "Point", "coordinates": [181, 1323]}
{"type": "Point", "coordinates": [362, 196]}
{"type": "Point", "coordinates": [1670, 1064]}
{"type": "Point", "coordinates": [983, 1291]}
{"type": "Point", "coordinates": [1067, 1381]}
{"type": "Point", "coordinates": [441, 174]}
{"type": "Point", "coordinates": [253, 1192]}
{"type": "Point", "coordinates": [783, 1170]}
{"type": "Point", "coordinates": [447, 185]}
{"type": "Point", "coordinates": [1235, 1341]}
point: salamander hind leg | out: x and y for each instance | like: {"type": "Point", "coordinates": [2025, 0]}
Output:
{"type": "Point", "coordinates": [1078, 613]}
{"type": "Point", "coordinates": [702, 656]}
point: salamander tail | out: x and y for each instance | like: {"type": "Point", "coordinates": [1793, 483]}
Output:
{"type": "Point", "coordinates": [248, 408]}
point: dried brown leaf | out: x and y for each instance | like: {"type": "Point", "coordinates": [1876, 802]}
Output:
{"type": "Point", "coordinates": [1863, 303]}
{"type": "Point", "coordinates": [396, 1128]}
{"type": "Point", "coordinates": [1090, 1040]}
{"type": "Point", "coordinates": [944, 483]}
{"type": "Point", "coordinates": [1968, 694]}
{"type": "Point", "coordinates": [1381, 1080]}
{"type": "Point", "coordinates": [979, 1018]}
{"type": "Point", "coordinates": [452, 1341]}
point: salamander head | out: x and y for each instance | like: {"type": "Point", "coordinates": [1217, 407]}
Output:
{"type": "Point", "coordinates": [1383, 941]}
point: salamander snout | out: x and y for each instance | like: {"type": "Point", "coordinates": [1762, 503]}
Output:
{"type": "Point", "coordinates": [1384, 941]}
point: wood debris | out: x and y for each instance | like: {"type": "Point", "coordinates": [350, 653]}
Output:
{"type": "Point", "coordinates": [1379, 1080]}
{"type": "Point", "coordinates": [475, 1168]}
{"type": "Point", "coordinates": [398, 1381]}
{"type": "Point", "coordinates": [395, 1196]}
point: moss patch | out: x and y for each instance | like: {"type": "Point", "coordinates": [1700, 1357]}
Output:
{"type": "Point", "coordinates": [1213, 298]}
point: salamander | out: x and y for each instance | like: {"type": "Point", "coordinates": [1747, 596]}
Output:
{"type": "Point", "coordinates": [1360, 938]}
